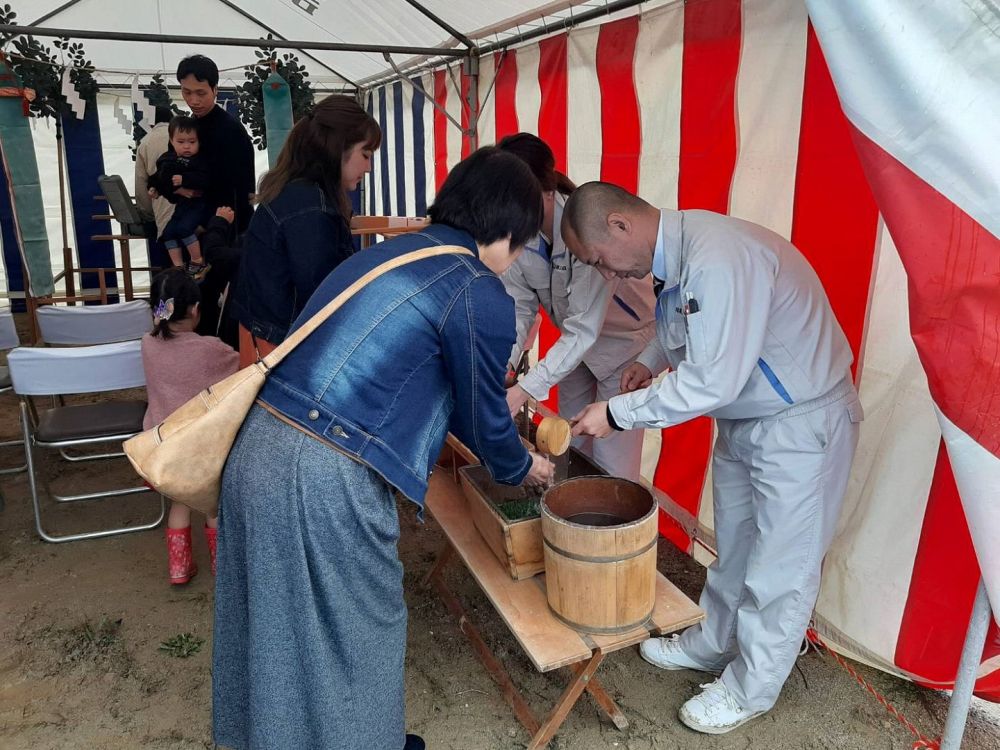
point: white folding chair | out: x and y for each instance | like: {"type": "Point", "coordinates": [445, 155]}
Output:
{"type": "Point", "coordinates": [37, 371]}
{"type": "Point", "coordinates": [8, 340]}
{"type": "Point", "coordinates": [94, 324]}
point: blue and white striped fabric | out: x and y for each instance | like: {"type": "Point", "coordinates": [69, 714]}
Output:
{"type": "Point", "coordinates": [399, 184]}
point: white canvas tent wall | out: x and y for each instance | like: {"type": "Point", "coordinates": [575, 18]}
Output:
{"type": "Point", "coordinates": [715, 103]}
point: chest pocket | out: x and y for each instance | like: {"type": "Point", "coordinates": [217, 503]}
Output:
{"type": "Point", "coordinates": [675, 334]}
{"type": "Point", "coordinates": [695, 336]}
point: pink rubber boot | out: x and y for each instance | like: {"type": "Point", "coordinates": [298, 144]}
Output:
{"type": "Point", "coordinates": [179, 557]}
{"type": "Point", "coordinates": [212, 537]}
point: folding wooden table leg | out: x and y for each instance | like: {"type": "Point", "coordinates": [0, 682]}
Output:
{"type": "Point", "coordinates": [604, 701]}
{"type": "Point", "coordinates": [444, 557]}
{"type": "Point", "coordinates": [566, 702]}
{"type": "Point", "coordinates": [496, 670]}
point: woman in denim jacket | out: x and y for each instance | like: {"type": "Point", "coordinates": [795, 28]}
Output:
{"type": "Point", "coordinates": [310, 622]}
{"type": "Point", "coordinates": [302, 228]}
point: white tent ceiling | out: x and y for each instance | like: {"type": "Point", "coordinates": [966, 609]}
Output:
{"type": "Point", "coordinates": [377, 22]}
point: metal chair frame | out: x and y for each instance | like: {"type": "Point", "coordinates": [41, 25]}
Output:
{"type": "Point", "coordinates": [31, 442]}
{"type": "Point", "coordinates": [8, 340]}
{"type": "Point", "coordinates": [131, 376]}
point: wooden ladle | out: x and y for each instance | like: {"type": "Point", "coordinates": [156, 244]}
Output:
{"type": "Point", "coordinates": [553, 436]}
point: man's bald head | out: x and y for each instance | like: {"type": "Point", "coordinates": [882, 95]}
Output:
{"type": "Point", "coordinates": [608, 227]}
{"type": "Point", "coordinates": [587, 209]}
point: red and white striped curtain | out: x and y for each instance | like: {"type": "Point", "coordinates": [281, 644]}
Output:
{"type": "Point", "coordinates": [729, 105]}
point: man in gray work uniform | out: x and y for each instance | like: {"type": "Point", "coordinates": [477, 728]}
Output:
{"type": "Point", "coordinates": [749, 337]}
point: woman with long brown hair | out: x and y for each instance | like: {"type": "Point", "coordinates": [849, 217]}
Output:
{"type": "Point", "coordinates": [604, 325]}
{"type": "Point", "coordinates": [301, 229]}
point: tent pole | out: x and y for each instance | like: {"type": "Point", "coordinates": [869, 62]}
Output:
{"type": "Point", "coordinates": [472, 98]}
{"type": "Point", "coordinates": [968, 666]}
{"type": "Point", "coordinates": [429, 97]}
{"type": "Point", "coordinates": [444, 25]}
{"type": "Point", "coordinates": [129, 36]}
{"type": "Point", "coordinates": [563, 24]}
{"type": "Point", "coordinates": [54, 12]}
{"type": "Point", "coordinates": [270, 30]}
{"type": "Point", "coordinates": [67, 251]}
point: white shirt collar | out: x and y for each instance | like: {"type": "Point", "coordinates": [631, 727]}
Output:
{"type": "Point", "coordinates": [667, 255]}
{"type": "Point", "coordinates": [659, 258]}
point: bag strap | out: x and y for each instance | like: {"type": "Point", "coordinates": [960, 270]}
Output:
{"type": "Point", "coordinates": [301, 333]}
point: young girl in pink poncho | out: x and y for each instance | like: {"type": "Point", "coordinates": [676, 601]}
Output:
{"type": "Point", "coordinates": [179, 364]}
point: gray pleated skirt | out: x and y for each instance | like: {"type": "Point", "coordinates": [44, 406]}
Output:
{"type": "Point", "coordinates": [310, 622]}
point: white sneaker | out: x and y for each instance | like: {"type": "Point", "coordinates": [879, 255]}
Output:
{"type": "Point", "coordinates": [666, 653]}
{"type": "Point", "coordinates": [715, 710]}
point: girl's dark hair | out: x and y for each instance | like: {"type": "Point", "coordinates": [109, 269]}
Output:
{"type": "Point", "coordinates": [315, 149]}
{"type": "Point", "coordinates": [536, 154]}
{"type": "Point", "coordinates": [172, 284]}
{"type": "Point", "coordinates": [491, 195]}
{"type": "Point", "coordinates": [182, 123]}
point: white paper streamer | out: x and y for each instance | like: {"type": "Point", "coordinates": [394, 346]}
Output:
{"type": "Point", "coordinates": [76, 103]}
{"type": "Point", "coordinates": [143, 106]}
{"type": "Point", "coordinates": [125, 120]}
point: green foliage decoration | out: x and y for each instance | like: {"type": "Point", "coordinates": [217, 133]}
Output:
{"type": "Point", "coordinates": [40, 69]}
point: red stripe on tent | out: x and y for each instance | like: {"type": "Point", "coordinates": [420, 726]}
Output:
{"type": "Point", "coordinates": [712, 36]}
{"type": "Point", "coordinates": [466, 140]}
{"type": "Point", "coordinates": [620, 122]}
{"type": "Point", "coordinates": [552, 128]}
{"type": "Point", "coordinates": [951, 264]}
{"type": "Point", "coordinates": [553, 82]}
{"type": "Point", "coordinates": [505, 93]}
{"type": "Point", "coordinates": [942, 590]}
{"type": "Point", "coordinates": [440, 129]}
{"type": "Point", "coordinates": [952, 267]}
{"type": "Point", "coordinates": [835, 218]}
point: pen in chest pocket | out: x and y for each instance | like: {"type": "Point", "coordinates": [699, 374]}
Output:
{"type": "Point", "coordinates": [690, 306]}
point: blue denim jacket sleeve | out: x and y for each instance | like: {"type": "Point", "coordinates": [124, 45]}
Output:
{"type": "Point", "coordinates": [317, 240]}
{"type": "Point", "coordinates": [477, 335]}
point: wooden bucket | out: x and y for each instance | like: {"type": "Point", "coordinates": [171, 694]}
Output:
{"type": "Point", "coordinates": [599, 537]}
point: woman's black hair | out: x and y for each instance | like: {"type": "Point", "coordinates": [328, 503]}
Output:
{"type": "Point", "coordinates": [172, 287]}
{"type": "Point", "coordinates": [491, 195]}
{"type": "Point", "coordinates": [537, 154]}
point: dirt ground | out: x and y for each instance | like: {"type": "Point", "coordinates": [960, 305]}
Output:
{"type": "Point", "coordinates": [81, 663]}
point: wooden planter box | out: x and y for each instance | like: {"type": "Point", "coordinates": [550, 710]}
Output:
{"type": "Point", "coordinates": [517, 544]}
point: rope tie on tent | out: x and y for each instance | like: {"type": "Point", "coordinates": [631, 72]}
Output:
{"type": "Point", "coordinates": [921, 741]}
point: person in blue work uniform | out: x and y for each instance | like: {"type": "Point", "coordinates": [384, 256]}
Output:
{"type": "Point", "coordinates": [603, 324]}
{"type": "Point", "coordinates": [310, 621]}
{"type": "Point", "coordinates": [748, 336]}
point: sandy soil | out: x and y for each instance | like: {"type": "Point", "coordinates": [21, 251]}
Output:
{"type": "Point", "coordinates": [81, 666]}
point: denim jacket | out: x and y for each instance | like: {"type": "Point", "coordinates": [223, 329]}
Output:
{"type": "Point", "coordinates": [291, 245]}
{"type": "Point", "coordinates": [418, 352]}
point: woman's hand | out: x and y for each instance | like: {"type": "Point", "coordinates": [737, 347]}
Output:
{"type": "Point", "coordinates": [636, 376]}
{"type": "Point", "coordinates": [153, 193]}
{"type": "Point", "coordinates": [542, 471]}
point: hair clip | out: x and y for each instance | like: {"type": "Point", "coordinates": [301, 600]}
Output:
{"type": "Point", "coordinates": [164, 310]}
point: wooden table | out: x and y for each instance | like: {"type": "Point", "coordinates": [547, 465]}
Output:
{"type": "Point", "coordinates": [524, 608]}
